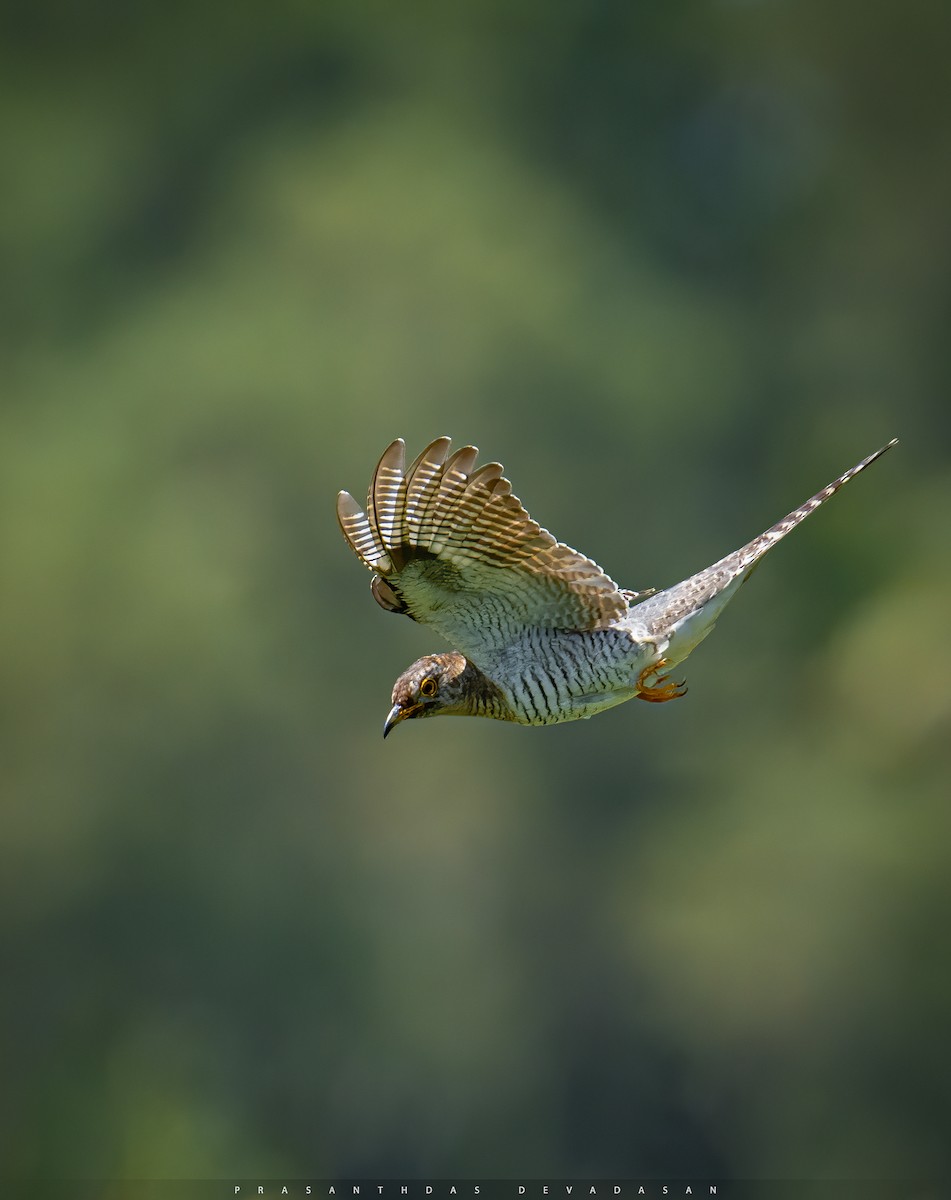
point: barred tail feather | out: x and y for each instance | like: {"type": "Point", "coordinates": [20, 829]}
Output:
{"type": "Point", "coordinates": [753, 551]}
{"type": "Point", "coordinates": [686, 613]}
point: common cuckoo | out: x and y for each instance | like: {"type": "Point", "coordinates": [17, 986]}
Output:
{"type": "Point", "coordinates": [542, 634]}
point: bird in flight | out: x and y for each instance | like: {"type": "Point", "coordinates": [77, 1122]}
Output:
{"type": "Point", "coordinates": [541, 633]}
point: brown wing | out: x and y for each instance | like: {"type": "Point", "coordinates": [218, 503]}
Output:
{"type": "Point", "coordinates": [451, 547]}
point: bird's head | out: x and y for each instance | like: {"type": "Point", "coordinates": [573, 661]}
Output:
{"type": "Point", "coordinates": [442, 685]}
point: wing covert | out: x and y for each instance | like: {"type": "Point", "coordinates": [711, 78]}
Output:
{"type": "Point", "coordinates": [452, 547]}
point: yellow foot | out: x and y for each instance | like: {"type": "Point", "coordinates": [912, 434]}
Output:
{"type": "Point", "coordinates": [661, 690]}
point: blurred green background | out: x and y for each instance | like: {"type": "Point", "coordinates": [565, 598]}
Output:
{"type": "Point", "coordinates": [676, 265]}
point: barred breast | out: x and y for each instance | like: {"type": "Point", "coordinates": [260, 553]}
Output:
{"type": "Point", "coordinates": [549, 676]}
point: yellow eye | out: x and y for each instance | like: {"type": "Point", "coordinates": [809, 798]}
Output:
{"type": "Point", "coordinates": [428, 687]}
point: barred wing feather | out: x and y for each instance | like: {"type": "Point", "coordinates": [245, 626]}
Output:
{"type": "Point", "coordinates": [452, 547]}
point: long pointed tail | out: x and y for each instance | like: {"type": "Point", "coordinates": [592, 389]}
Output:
{"type": "Point", "coordinates": [750, 554]}
{"type": "Point", "coordinates": [685, 614]}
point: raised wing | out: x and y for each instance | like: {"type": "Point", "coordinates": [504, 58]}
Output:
{"type": "Point", "coordinates": [451, 547]}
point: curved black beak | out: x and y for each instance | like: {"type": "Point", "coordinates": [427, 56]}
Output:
{"type": "Point", "coordinates": [394, 718]}
{"type": "Point", "coordinates": [398, 714]}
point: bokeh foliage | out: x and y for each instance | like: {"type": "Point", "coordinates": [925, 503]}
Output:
{"type": "Point", "coordinates": [676, 265]}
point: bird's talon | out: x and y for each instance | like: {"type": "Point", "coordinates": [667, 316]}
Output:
{"type": "Point", "coordinates": [660, 690]}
